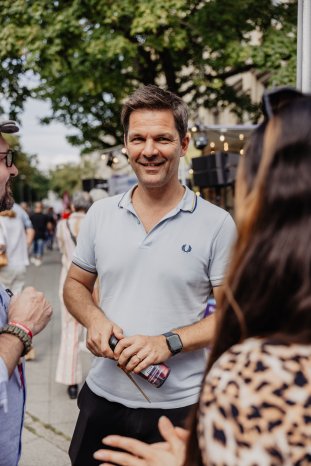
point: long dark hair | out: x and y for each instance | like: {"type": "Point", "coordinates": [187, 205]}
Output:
{"type": "Point", "coordinates": [267, 291]}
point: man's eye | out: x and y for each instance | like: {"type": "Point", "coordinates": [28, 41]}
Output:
{"type": "Point", "coordinates": [164, 140]}
{"type": "Point", "coordinates": [137, 139]}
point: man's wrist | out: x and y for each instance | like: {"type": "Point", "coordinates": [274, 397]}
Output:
{"type": "Point", "coordinates": [174, 342]}
{"type": "Point", "coordinates": [23, 326]}
{"type": "Point", "coordinates": [18, 332]}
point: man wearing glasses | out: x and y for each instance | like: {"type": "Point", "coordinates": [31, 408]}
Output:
{"type": "Point", "coordinates": [21, 318]}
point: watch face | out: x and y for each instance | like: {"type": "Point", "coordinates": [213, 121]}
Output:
{"type": "Point", "coordinates": [174, 343]}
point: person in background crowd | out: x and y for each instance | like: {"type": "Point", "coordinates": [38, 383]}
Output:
{"type": "Point", "coordinates": [22, 212]}
{"type": "Point", "coordinates": [14, 239]}
{"type": "Point", "coordinates": [21, 318]}
{"type": "Point", "coordinates": [66, 212]}
{"type": "Point", "coordinates": [51, 228]}
{"type": "Point", "coordinates": [157, 250]}
{"type": "Point", "coordinates": [255, 404]}
{"type": "Point", "coordinates": [68, 370]}
{"type": "Point", "coordinates": [39, 221]}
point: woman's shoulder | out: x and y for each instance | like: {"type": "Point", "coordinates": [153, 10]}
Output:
{"type": "Point", "coordinates": [260, 356]}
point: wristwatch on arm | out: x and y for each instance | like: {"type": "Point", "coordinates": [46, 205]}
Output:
{"type": "Point", "coordinates": [174, 342]}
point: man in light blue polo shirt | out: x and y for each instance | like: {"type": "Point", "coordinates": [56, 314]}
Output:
{"type": "Point", "coordinates": [158, 251]}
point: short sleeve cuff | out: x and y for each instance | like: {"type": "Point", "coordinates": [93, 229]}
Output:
{"type": "Point", "coordinates": [83, 265]}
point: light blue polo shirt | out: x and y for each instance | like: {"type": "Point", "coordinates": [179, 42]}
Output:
{"type": "Point", "coordinates": [153, 282]}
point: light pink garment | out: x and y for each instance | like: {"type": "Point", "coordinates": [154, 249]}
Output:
{"type": "Point", "coordinates": [69, 369]}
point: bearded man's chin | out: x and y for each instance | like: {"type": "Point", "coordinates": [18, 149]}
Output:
{"type": "Point", "coordinates": [7, 201]}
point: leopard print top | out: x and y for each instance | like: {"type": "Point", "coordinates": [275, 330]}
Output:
{"type": "Point", "coordinates": [255, 406]}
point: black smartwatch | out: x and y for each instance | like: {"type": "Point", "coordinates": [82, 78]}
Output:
{"type": "Point", "coordinates": [174, 342]}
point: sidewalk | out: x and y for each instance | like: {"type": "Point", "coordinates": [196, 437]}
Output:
{"type": "Point", "coordinates": [50, 414]}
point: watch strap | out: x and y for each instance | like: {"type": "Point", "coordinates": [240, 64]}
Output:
{"type": "Point", "coordinates": [19, 333]}
{"type": "Point", "coordinates": [169, 334]}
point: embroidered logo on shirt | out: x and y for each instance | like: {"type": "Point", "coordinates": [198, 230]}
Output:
{"type": "Point", "coordinates": [186, 248]}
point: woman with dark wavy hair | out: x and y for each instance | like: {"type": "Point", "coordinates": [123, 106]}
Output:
{"type": "Point", "coordinates": [255, 403]}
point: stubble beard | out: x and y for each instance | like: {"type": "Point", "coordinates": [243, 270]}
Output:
{"type": "Point", "coordinates": [7, 201]}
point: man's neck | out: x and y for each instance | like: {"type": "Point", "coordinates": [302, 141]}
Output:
{"type": "Point", "coordinates": [156, 198]}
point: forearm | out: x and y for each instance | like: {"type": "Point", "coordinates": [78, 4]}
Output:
{"type": "Point", "coordinates": [78, 298]}
{"type": "Point", "coordinates": [79, 302]}
{"type": "Point", "coordinates": [11, 349]}
{"type": "Point", "coordinates": [198, 335]}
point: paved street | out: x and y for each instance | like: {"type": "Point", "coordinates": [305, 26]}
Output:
{"type": "Point", "coordinates": [50, 414]}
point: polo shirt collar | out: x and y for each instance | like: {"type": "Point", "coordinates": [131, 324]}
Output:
{"type": "Point", "coordinates": [188, 202]}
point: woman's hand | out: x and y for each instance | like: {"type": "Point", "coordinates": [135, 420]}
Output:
{"type": "Point", "coordinates": [137, 453]}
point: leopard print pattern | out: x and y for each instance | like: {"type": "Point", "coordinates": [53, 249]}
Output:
{"type": "Point", "coordinates": [255, 408]}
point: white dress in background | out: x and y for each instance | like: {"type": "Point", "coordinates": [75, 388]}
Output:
{"type": "Point", "coordinates": [69, 369]}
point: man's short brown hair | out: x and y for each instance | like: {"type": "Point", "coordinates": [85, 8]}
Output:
{"type": "Point", "coordinates": [154, 98]}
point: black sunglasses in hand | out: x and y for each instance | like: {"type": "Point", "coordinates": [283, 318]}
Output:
{"type": "Point", "coordinates": [9, 156]}
{"type": "Point", "coordinates": [274, 100]}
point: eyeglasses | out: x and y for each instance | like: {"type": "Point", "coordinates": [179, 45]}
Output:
{"type": "Point", "coordinates": [273, 101]}
{"type": "Point", "coordinates": [9, 156]}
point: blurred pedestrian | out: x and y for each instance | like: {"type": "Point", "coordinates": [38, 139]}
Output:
{"type": "Point", "coordinates": [13, 234]}
{"type": "Point", "coordinates": [68, 370]}
{"type": "Point", "coordinates": [21, 211]}
{"type": "Point", "coordinates": [39, 222]}
{"type": "Point", "coordinates": [50, 228]}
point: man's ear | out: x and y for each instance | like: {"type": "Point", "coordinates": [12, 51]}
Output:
{"type": "Point", "coordinates": [185, 144]}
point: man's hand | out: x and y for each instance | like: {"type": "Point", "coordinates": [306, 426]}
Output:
{"type": "Point", "coordinates": [137, 453]}
{"type": "Point", "coordinates": [31, 308]}
{"type": "Point", "coordinates": [99, 331]}
{"type": "Point", "coordinates": [137, 352]}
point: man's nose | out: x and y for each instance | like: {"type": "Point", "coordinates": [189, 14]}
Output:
{"type": "Point", "coordinates": [13, 170]}
{"type": "Point", "coordinates": [150, 148]}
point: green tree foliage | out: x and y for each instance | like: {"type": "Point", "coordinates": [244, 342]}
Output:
{"type": "Point", "coordinates": [87, 55]}
{"type": "Point", "coordinates": [66, 178]}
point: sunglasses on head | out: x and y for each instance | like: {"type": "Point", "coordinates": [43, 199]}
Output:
{"type": "Point", "coordinates": [9, 156]}
{"type": "Point", "coordinates": [274, 100]}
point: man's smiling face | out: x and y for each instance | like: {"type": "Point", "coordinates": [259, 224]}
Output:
{"type": "Point", "coordinates": [154, 147]}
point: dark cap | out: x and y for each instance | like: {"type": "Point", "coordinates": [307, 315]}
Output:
{"type": "Point", "coordinates": [8, 126]}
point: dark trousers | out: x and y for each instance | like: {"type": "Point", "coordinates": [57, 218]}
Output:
{"type": "Point", "coordinates": [99, 417]}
